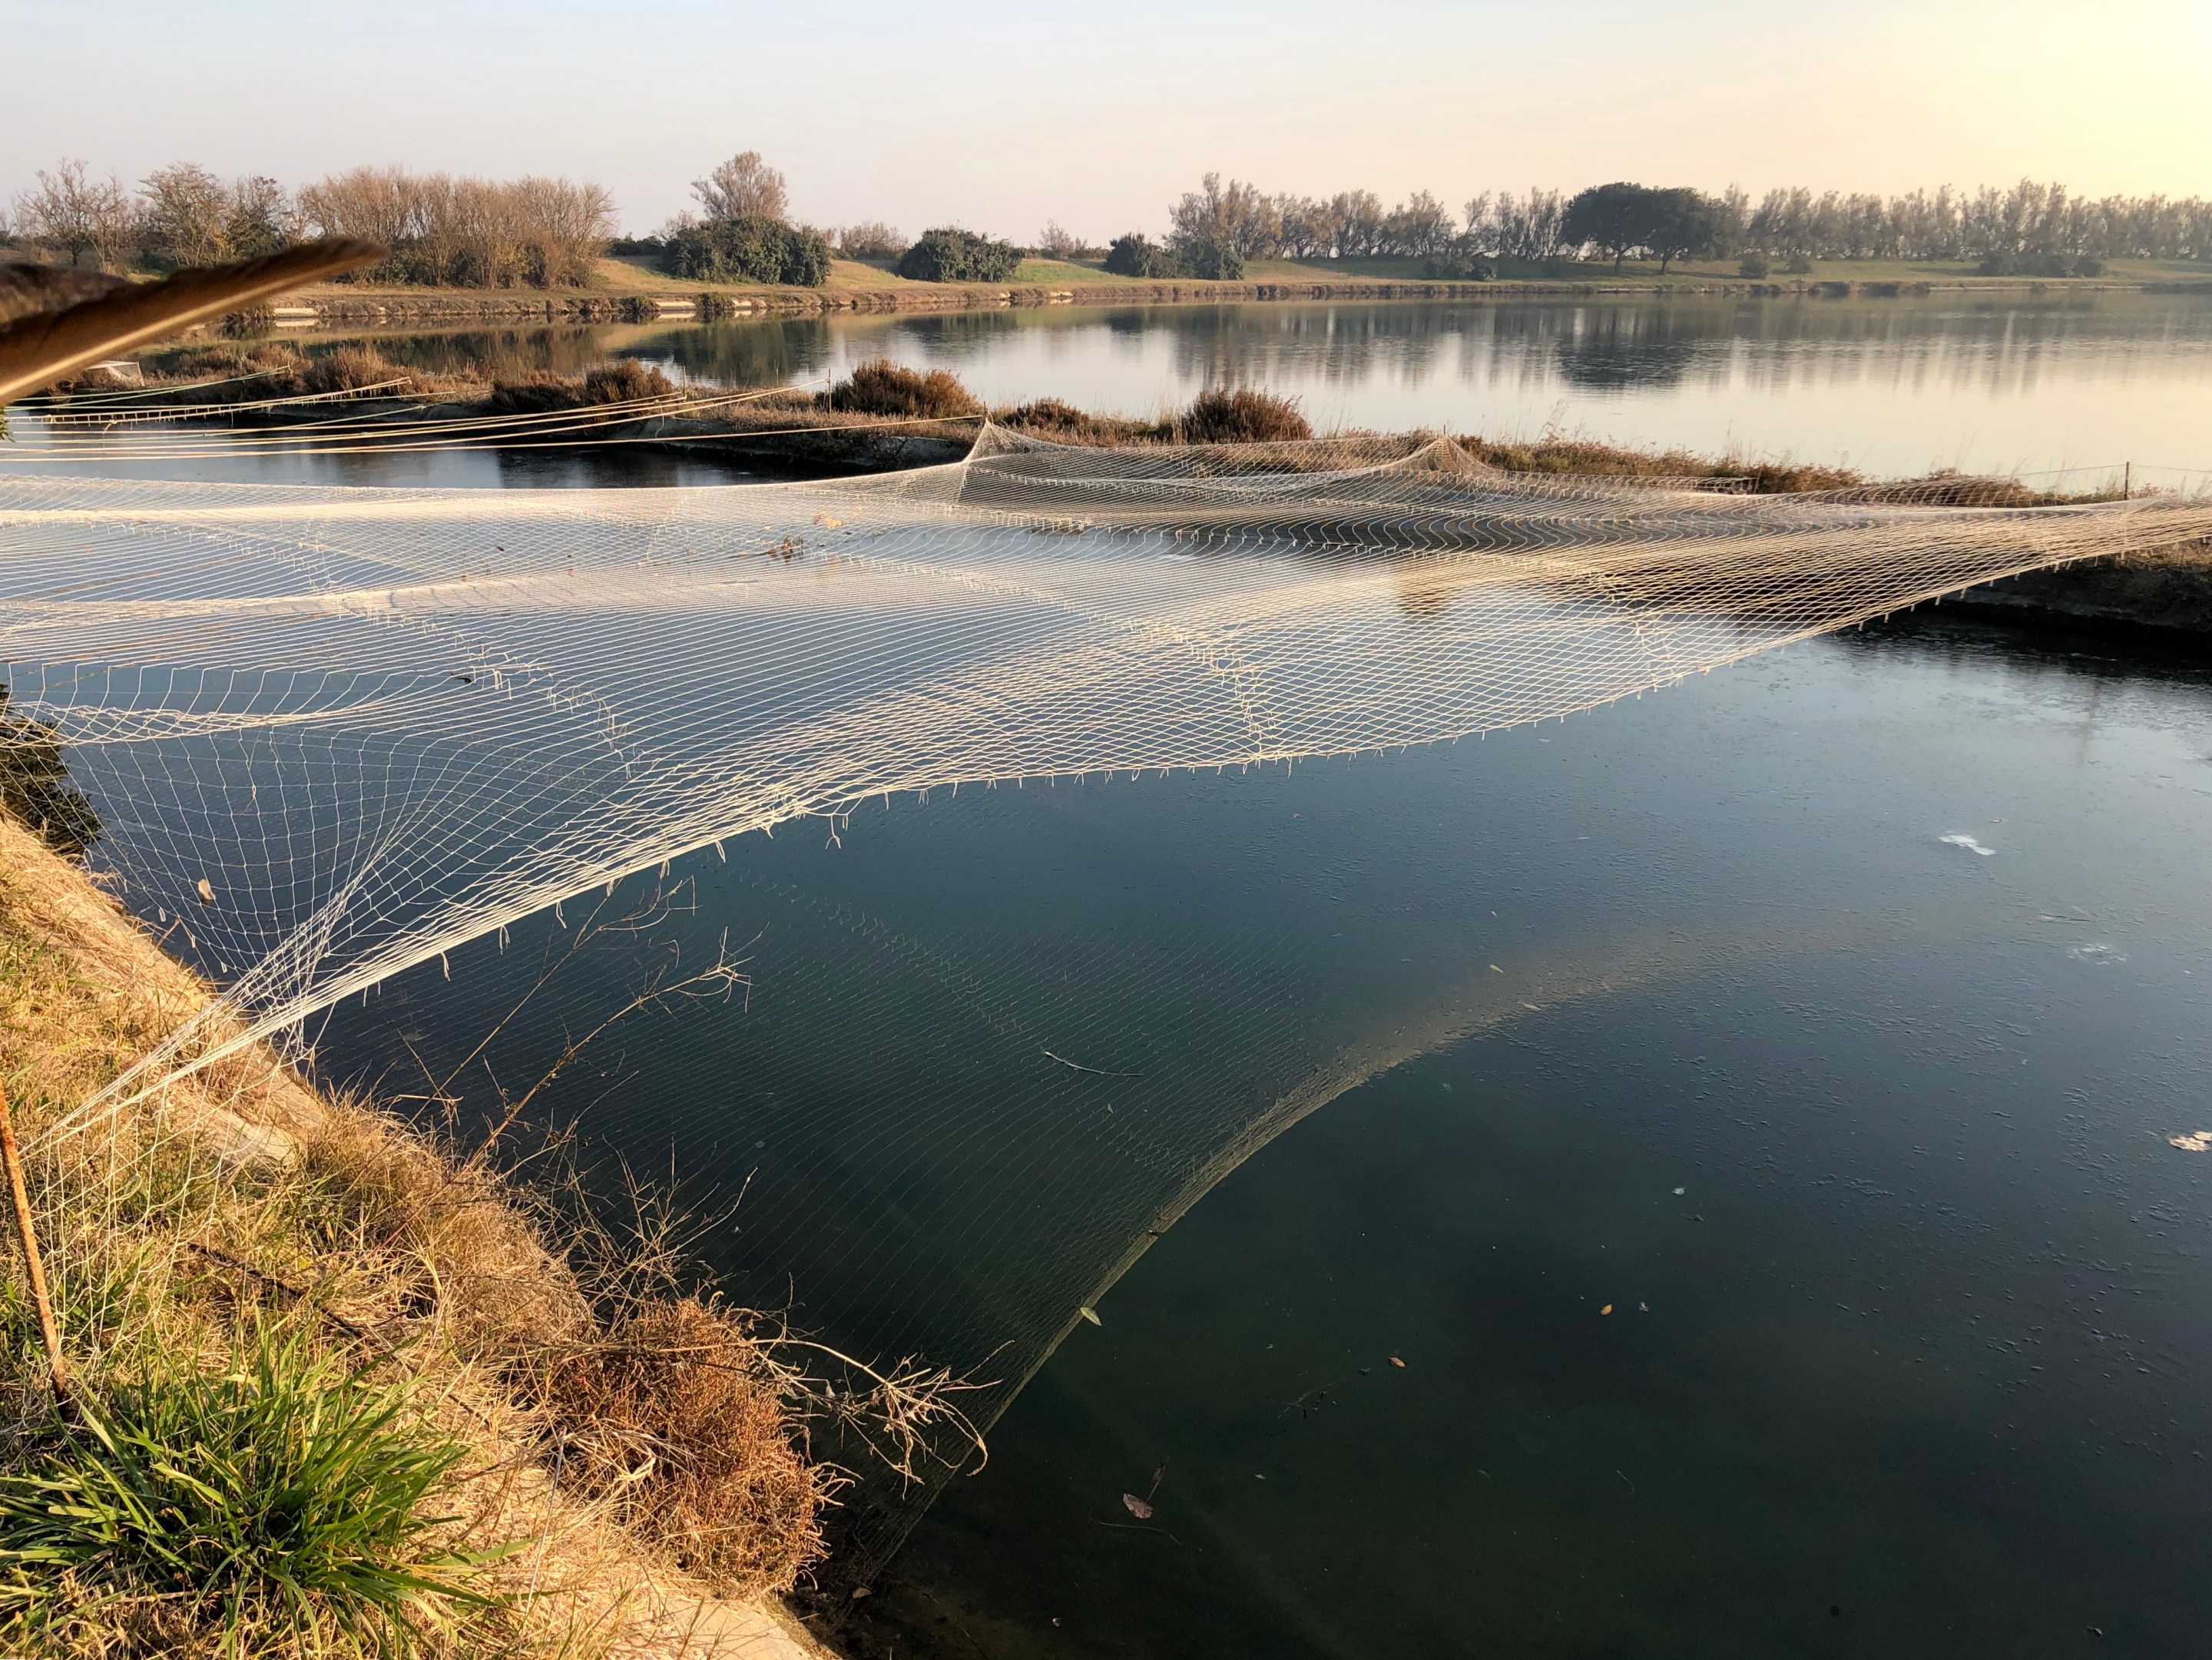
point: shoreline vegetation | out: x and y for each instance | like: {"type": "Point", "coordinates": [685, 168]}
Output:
{"type": "Point", "coordinates": [465, 248]}
{"type": "Point", "coordinates": [331, 1387]}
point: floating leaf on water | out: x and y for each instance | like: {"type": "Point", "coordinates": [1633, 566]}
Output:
{"type": "Point", "coordinates": [1395, 1361]}
{"type": "Point", "coordinates": [1607, 1309]}
{"type": "Point", "coordinates": [1137, 1507]}
{"type": "Point", "coordinates": [1090, 1314]}
{"type": "Point", "coordinates": [2192, 1141]}
{"type": "Point", "coordinates": [207, 891]}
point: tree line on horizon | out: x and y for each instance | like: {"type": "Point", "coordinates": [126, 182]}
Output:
{"type": "Point", "coordinates": [440, 230]}
{"type": "Point", "coordinates": [547, 231]}
{"type": "Point", "coordinates": [1623, 219]}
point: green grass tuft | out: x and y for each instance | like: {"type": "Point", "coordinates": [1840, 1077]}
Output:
{"type": "Point", "coordinates": [276, 1506]}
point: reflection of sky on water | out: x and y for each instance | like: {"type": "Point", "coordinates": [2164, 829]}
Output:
{"type": "Point", "coordinates": [1899, 385]}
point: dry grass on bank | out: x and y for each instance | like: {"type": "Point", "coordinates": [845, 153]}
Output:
{"type": "Point", "coordinates": [235, 1227]}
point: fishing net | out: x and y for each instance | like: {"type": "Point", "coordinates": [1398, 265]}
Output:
{"type": "Point", "coordinates": [320, 736]}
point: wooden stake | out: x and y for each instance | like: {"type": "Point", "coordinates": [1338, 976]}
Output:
{"type": "Point", "coordinates": [21, 1195]}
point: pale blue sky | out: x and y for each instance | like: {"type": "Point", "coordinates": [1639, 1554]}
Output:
{"type": "Point", "coordinates": [1002, 114]}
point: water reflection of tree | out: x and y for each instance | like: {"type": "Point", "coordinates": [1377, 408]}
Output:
{"type": "Point", "coordinates": [768, 352]}
{"type": "Point", "coordinates": [34, 785]}
{"type": "Point", "coordinates": [497, 354]}
{"type": "Point", "coordinates": [1623, 349]}
{"type": "Point", "coordinates": [1336, 346]}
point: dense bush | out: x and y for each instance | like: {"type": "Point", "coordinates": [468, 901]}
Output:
{"type": "Point", "coordinates": [1755, 265]}
{"type": "Point", "coordinates": [751, 248]}
{"type": "Point", "coordinates": [1460, 261]}
{"type": "Point", "coordinates": [1211, 259]}
{"type": "Point", "coordinates": [1242, 417]}
{"type": "Point", "coordinates": [949, 254]}
{"type": "Point", "coordinates": [1134, 255]}
{"type": "Point", "coordinates": [2037, 264]}
{"type": "Point", "coordinates": [882, 387]}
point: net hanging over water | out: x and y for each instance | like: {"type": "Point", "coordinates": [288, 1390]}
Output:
{"type": "Point", "coordinates": [332, 733]}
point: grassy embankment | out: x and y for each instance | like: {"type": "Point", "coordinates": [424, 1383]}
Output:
{"type": "Point", "coordinates": [331, 1389]}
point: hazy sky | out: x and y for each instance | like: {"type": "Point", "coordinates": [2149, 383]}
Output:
{"type": "Point", "coordinates": [1002, 115]}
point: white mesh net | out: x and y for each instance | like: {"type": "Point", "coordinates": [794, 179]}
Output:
{"type": "Point", "coordinates": [331, 733]}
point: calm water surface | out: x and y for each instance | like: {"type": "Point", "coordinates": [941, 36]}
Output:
{"type": "Point", "coordinates": [1683, 1008]}
{"type": "Point", "coordinates": [2024, 381]}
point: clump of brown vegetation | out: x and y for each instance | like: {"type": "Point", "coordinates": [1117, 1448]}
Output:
{"type": "Point", "coordinates": [349, 368]}
{"type": "Point", "coordinates": [880, 386]}
{"type": "Point", "coordinates": [680, 1419]}
{"type": "Point", "coordinates": [1049, 417]}
{"type": "Point", "coordinates": [623, 381]}
{"type": "Point", "coordinates": [1242, 417]}
{"type": "Point", "coordinates": [1583, 458]}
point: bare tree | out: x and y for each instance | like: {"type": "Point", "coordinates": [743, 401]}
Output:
{"type": "Point", "coordinates": [86, 218]}
{"type": "Point", "coordinates": [1058, 242]}
{"type": "Point", "coordinates": [187, 215]}
{"type": "Point", "coordinates": [872, 239]}
{"type": "Point", "coordinates": [743, 187]}
{"type": "Point", "coordinates": [471, 233]}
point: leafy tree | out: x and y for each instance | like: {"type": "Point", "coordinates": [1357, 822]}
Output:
{"type": "Point", "coordinates": [949, 254]}
{"type": "Point", "coordinates": [1685, 224]}
{"type": "Point", "coordinates": [1617, 217]}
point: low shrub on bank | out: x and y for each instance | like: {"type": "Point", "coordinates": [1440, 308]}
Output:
{"type": "Point", "coordinates": [625, 380]}
{"type": "Point", "coordinates": [1136, 255]}
{"type": "Point", "coordinates": [949, 254]}
{"type": "Point", "coordinates": [681, 1423]}
{"type": "Point", "coordinates": [1460, 261]}
{"type": "Point", "coordinates": [2037, 264]}
{"type": "Point", "coordinates": [883, 387]}
{"type": "Point", "coordinates": [1210, 260]}
{"type": "Point", "coordinates": [1242, 417]}
{"type": "Point", "coordinates": [348, 368]}
{"type": "Point", "coordinates": [749, 248]}
{"type": "Point", "coordinates": [1062, 422]}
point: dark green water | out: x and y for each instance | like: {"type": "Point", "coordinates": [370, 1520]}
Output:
{"type": "Point", "coordinates": [1923, 1339]}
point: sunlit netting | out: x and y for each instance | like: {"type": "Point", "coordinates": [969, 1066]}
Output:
{"type": "Point", "coordinates": [331, 732]}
